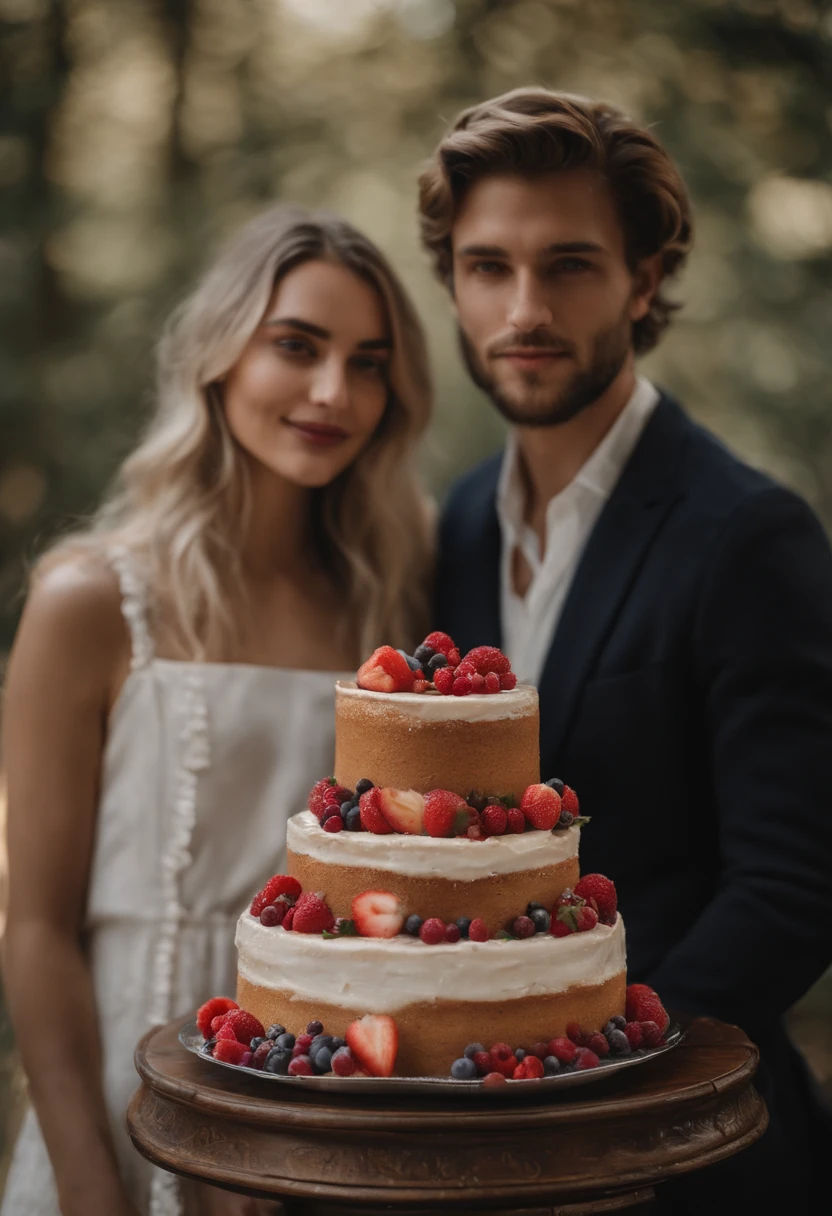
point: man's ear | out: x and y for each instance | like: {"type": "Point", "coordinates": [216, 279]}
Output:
{"type": "Point", "coordinates": [646, 282]}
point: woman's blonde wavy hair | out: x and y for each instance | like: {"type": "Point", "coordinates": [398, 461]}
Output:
{"type": "Point", "coordinates": [181, 500]}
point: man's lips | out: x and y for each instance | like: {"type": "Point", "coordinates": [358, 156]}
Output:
{"type": "Point", "coordinates": [531, 356]}
{"type": "Point", "coordinates": [319, 434]}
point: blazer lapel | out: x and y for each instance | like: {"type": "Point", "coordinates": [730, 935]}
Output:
{"type": "Point", "coordinates": [609, 565]}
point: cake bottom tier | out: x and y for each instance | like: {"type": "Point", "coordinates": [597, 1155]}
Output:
{"type": "Point", "coordinates": [441, 997]}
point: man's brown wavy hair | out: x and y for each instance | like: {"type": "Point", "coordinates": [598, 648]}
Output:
{"type": "Point", "coordinates": [533, 131]}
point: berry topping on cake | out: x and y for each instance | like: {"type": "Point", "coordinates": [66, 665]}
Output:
{"type": "Point", "coordinates": [311, 915]}
{"type": "Point", "coordinates": [585, 1059]}
{"type": "Point", "coordinates": [333, 824]}
{"type": "Point", "coordinates": [579, 918]}
{"type": "Point", "coordinates": [273, 915]}
{"type": "Point", "coordinates": [374, 1041]}
{"type": "Point", "coordinates": [372, 816]}
{"type": "Point", "coordinates": [488, 658]}
{"type": "Point", "coordinates": [563, 1049]}
{"type": "Point", "coordinates": [541, 806]}
{"type": "Point", "coordinates": [446, 814]}
{"type": "Point", "coordinates": [412, 925]}
{"type": "Point", "coordinates": [515, 821]}
{"type": "Point", "coordinates": [230, 1051]}
{"type": "Point", "coordinates": [644, 1005]}
{"type": "Point", "coordinates": [420, 686]}
{"type": "Point", "coordinates": [452, 933]}
{"type": "Point", "coordinates": [569, 801]}
{"type": "Point", "coordinates": [301, 1066]}
{"type": "Point", "coordinates": [600, 894]}
{"type": "Point", "coordinates": [557, 928]}
{"type": "Point", "coordinates": [503, 1059]}
{"type": "Point", "coordinates": [378, 914]}
{"type": "Point", "coordinates": [218, 1006]}
{"type": "Point", "coordinates": [508, 681]}
{"type": "Point", "coordinates": [404, 810]}
{"type": "Point", "coordinates": [440, 643]}
{"type": "Point", "coordinates": [494, 820]}
{"type": "Point", "coordinates": [432, 931]}
{"type": "Point", "coordinates": [541, 920]}
{"type": "Point", "coordinates": [523, 926]}
{"type": "Point", "coordinates": [224, 1032]}
{"type": "Point", "coordinates": [324, 793]}
{"type": "Point", "coordinates": [443, 681]}
{"type": "Point", "coordinates": [478, 930]}
{"type": "Point", "coordinates": [599, 1045]}
{"type": "Point", "coordinates": [280, 884]}
{"type": "Point", "coordinates": [245, 1025]}
{"type": "Point", "coordinates": [288, 919]}
{"type": "Point", "coordinates": [261, 1053]}
{"type": "Point", "coordinates": [651, 1035]}
{"type": "Point", "coordinates": [462, 686]}
{"type": "Point", "coordinates": [386, 670]}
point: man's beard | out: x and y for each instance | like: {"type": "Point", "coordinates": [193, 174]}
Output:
{"type": "Point", "coordinates": [609, 351]}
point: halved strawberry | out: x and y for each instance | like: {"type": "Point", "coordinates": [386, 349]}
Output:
{"type": "Point", "coordinates": [378, 913]}
{"type": "Point", "coordinates": [446, 814]}
{"type": "Point", "coordinates": [404, 810]}
{"type": "Point", "coordinates": [217, 1006]}
{"type": "Point", "coordinates": [311, 915]}
{"type": "Point", "coordinates": [372, 817]}
{"type": "Point", "coordinates": [374, 1041]}
{"type": "Point", "coordinates": [541, 806]}
{"type": "Point", "coordinates": [386, 671]}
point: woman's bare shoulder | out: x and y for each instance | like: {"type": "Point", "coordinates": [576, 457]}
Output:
{"type": "Point", "coordinates": [77, 599]}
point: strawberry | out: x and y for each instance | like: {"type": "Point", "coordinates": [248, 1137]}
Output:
{"type": "Point", "coordinates": [440, 642]}
{"type": "Point", "coordinates": [488, 658]}
{"type": "Point", "coordinates": [494, 821]}
{"type": "Point", "coordinates": [206, 1013]}
{"type": "Point", "coordinates": [245, 1026]}
{"type": "Point", "coordinates": [230, 1051]}
{"type": "Point", "coordinates": [644, 1005]}
{"type": "Point", "coordinates": [541, 806]}
{"type": "Point", "coordinates": [580, 918]}
{"type": "Point", "coordinates": [508, 681]}
{"type": "Point", "coordinates": [651, 1035]}
{"type": "Point", "coordinates": [528, 1069]}
{"type": "Point", "coordinates": [516, 821]}
{"type": "Point", "coordinates": [288, 919]}
{"type": "Point", "coordinates": [569, 801]}
{"type": "Point", "coordinates": [443, 680]}
{"type": "Point", "coordinates": [404, 810]}
{"type": "Point", "coordinates": [600, 894]}
{"type": "Point", "coordinates": [374, 1041]}
{"type": "Point", "coordinates": [280, 884]}
{"type": "Point", "coordinates": [378, 914]}
{"type": "Point", "coordinates": [372, 817]}
{"type": "Point", "coordinates": [386, 671]}
{"type": "Point", "coordinates": [312, 915]}
{"type": "Point", "coordinates": [558, 928]}
{"type": "Point", "coordinates": [446, 814]}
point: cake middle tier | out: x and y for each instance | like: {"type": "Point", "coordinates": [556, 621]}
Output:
{"type": "Point", "coordinates": [492, 879]}
{"type": "Point", "coordinates": [424, 741]}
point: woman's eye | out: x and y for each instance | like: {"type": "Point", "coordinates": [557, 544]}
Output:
{"type": "Point", "coordinates": [372, 366]}
{"type": "Point", "coordinates": [294, 346]}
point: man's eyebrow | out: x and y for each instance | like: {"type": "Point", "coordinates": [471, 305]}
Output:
{"type": "Point", "coordinates": [497, 251]}
{"type": "Point", "coordinates": [317, 331]}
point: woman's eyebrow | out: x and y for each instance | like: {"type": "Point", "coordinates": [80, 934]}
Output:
{"type": "Point", "coordinates": [317, 331]}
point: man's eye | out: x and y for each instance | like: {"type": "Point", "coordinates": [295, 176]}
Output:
{"type": "Point", "coordinates": [571, 265]}
{"type": "Point", "coordinates": [489, 268]}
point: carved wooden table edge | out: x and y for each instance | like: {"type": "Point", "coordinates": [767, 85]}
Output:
{"type": "Point", "coordinates": [688, 1109]}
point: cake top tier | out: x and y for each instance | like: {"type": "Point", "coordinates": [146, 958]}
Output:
{"type": "Point", "coordinates": [431, 706]}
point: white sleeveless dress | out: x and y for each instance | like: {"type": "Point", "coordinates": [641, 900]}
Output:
{"type": "Point", "coordinates": [203, 765]}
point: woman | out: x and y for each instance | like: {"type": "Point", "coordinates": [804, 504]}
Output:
{"type": "Point", "coordinates": [170, 692]}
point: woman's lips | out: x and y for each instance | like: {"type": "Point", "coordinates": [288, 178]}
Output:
{"type": "Point", "coordinates": [318, 434]}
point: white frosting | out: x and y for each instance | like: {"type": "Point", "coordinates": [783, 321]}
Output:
{"type": "Point", "coordinates": [430, 856]}
{"type": "Point", "coordinates": [433, 707]}
{"type": "Point", "coordinates": [383, 975]}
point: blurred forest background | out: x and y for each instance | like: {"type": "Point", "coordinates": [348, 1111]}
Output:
{"type": "Point", "coordinates": [135, 133]}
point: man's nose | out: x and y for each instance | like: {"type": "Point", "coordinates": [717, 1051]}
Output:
{"type": "Point", "coordinates": [530, 308]}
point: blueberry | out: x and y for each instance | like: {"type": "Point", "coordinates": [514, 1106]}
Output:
{"type": "Point", "coordinates": [412, 925]}
{"type": "Point", "coordinates": [619, 1043]}
{"type": "Point", "coordinates": [616, 1022]}
{"type": "Point", "coordinates": [437, 662]}
{"type": "Point", "coordinates": [322, 1060]}
{"type": "Point", "coordinates": [319, 1041]}
{"type": "Point", "coordinates": [551, 1066]}
{"type": "Point", "coordinates": [463, 924]}
{"type": "Point", "coordinates": [565, 821]}
{"type": "Point", "coordinates": [353, 820]}
{"type": "Point", "coordinates": [278, 1061]}
{"type": "Point", "coordinates": [534, 908]}
{"type": "Point", "coordinates": [337, 1044]}
{"type": "Point", "coordinates": [541, 920]}
{"type": "Point", "coordinates": [412, 663]}
{"type": "Point", "coordinates": [255, 1043]}
{"type": "Point", "coordinates": [463, 1069]}
{"type": "Point", "coordinates": [275, 1031]}
{"type": "Point", "coordinates": [354, 801]}
{"type": "Point", "coordinates": [209, 1046]}
{"type": "Point", "coordinates": [362, 786]}
{"type": "Point", "coordinates": [520, 1054]}
{"type": "Point", "coordinates": [471, 1050]}
{"type": "Point", "coordinates": [477, 799]}
{"type": "Point", "coordinates": [556, 784]}
{"type": "Point", "coordinates": [315, 1028]}
{"type": "Point", "coordinates": [284, 1041]}
{"type": "Point", "coordinates": [345, 809]}
{"type": "Point", "coordinates": [424, 654]}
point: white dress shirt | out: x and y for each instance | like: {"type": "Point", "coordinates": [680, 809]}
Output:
{"type": "Point", "coordinates": [529, 621]}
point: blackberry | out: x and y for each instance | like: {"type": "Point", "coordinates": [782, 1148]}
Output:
{"type": "Point", "coordinates": [362, 786]}
{"type": "Point", "coordinates": [412, 925]}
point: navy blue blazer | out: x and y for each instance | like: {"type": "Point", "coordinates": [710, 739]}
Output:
{"type": "Point", "coordinates": [687, 697]}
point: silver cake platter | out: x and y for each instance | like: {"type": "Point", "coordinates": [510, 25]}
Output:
{"type": "Point", "coordinates": [191, 1038]}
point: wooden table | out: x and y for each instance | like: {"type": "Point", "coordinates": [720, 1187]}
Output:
{"type": "Point", "coordinates": [598, 1148]}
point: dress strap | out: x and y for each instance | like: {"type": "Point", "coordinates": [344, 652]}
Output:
{"type": "Point", "coordinates": [134, 605]}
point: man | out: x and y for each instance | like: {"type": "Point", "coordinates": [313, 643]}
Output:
{"type": "Point", "coordinates": [673, 605]}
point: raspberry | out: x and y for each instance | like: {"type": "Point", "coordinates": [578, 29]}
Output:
{"type": "Point", "coordinates": [452, 933]}
{"type": "Point", "coordinates": [483, 1061]}
{"type": "Point", "coordinates": [600, 894]}
{"type": "Point", "coordinates": [465, 669]}
{"type": "Point", "coordinates": [503, 1059]}
{"type": "Point", "coordinates": [494, 821]}
{"type": "Point", "coordinates": [317, 795]}
{"type": "Point", "coordinates": [563, 1049]}
{"type": "Point", "coordinates": [420, 686]}
{"type": "Point", "coordinates": [478, 931]}
{"type": "Point", "coordinates": [488, 659]}
{"type": "Point", "coordinates": [216, 1023]}
{"type": "Point", "coordinates": [516, 821]}
{"type": "Point", "coordinates": [432, 931]}
{"type": "Point", "coordinates": [508, 681]}
{"type": "Point", "coordinates": [528, 1069]}
{"type": "Point", "coordinates": [585, 1059]}
{"type": "Point", "coordinates": [475, 832]}
{"type": "Point", "coordinates": [634, 1034]}
{"type": "Point", "coordinates": [478, 683]}
{"type": "Point", "coordinates": [226, 1032]}
{"type": "Point", "coordinates": [599, 1045]}
{"type": "Point", "coordinates": [280, 884]}
{"type": "Point", "coordinates": [569, 801]}
{"type": "Point", "coordinates": [454, 658]}
{"type": "Point", "coordinates": [440, 642]}
{"type": "Point", "coordinates": [651, 1035]}
{"type": "Point", "coordinates": [541, 1050]}
{"type": "Point", "coordinates": [245, 1026]}
{"type": "Point", "coordinates": [462, 686]}
{"type": "Point", "coordinates": [494, 1078]}
{"type": "Point", "coordinates": [578, 1036]}
{"type": "Point", "coordinates": [443, 680]}
{"type": "Point", "coordinates": [311, 915]}
{"type": "Point", "coordinates": [217, 1006]}
{"type": "Point", "coordinates": [492, 682]}
{"type": "Point", "coordinates": [523, 926]}
{"type": "Point", "coordinates": [230, 1051]}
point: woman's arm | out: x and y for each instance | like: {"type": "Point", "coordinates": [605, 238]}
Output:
{"type": "Point", "coordinates": [69, 658]}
